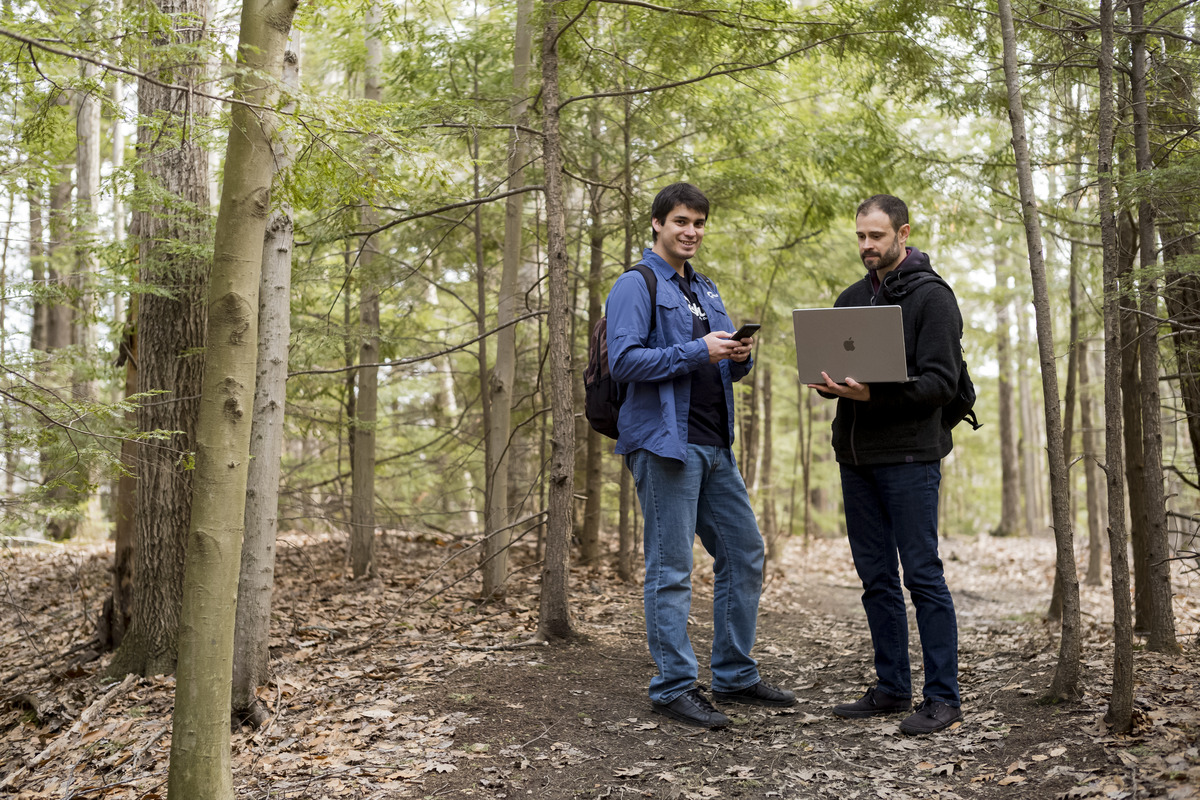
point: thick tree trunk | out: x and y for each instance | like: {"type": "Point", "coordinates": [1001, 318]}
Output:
{"type": "Point", "coordinates": [554, 620]}
{"type": "Point", "coordinates": [1120, 709]}
{"type": "Point", "coordinates": [200, 746]}
{"type": "Point", "coordinates": [502, 380]}
{"type": "Point", "coordinates": [1067, 674]}
{"type": "Point", "coordinates": [171, 338]}
{"type": "Point", "coordinates": [1158, 567]}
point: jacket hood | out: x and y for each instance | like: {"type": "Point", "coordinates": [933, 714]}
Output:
{"type": "Point", "coordinates": [914, 270]}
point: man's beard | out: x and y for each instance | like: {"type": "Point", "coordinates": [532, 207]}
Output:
{"type": "Point", "coordinates": [885, 260]}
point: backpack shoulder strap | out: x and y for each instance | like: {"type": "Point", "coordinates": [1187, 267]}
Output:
{"type": "Point", "coordinates": [652, 287]}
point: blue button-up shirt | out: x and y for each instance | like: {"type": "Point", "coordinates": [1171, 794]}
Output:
{"type": "Point", "coordinates": [658, 366]}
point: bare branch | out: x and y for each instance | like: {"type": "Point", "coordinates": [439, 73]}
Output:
{"type": "Point", "coordinates": [403, 362]}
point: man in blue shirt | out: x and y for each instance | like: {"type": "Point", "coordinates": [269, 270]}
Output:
{"type": "Point", "coordinates": [676, 433]}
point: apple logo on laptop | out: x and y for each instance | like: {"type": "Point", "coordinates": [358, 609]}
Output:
{"type": "Point", "coordinates": [848, 344]}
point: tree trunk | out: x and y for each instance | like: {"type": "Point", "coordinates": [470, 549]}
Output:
{"type": "Point", "coordinates": [60, 320]}
{"type": "Point", "coordinates": [256, 576]}
{"type": "Point", "coordinates": [200, 747]}
{"type": "Point", "coordinates": [770, 524]}
{"type": "Point", "coordinates": [627, 547]}
{"type": "Point", "coordinates": [502, 380]}
{"type": "Point", "coordinates": [1120, 709]}
{"type": "Point", "coordinates": [1092, 474]}
{"type": "Point", "coordinates": [1067, 673]}
{"type": "Point", "coordinates": [1010, 469]}
{"type": "Point", "coordinates": [1161, 620]}
{"type": "Point", "coordinates": [171, 337]}
{"type": "Point", "coordinates": [87, 195]}
{"type": "Point", "coordinates": [1027, 440]}
{"type": "Point", "coordinates": [554, 617]}
{"type": "Point", "coordinates": [37, 264]}
{"type": "Point", "coordinates": [362, 428]}
{"type": "Point", "coordinates": [1131, 408]}
{"type": "Point", "coordinates": [1175, 115]}
{"type": "Point", "coordinates": [589, 540]}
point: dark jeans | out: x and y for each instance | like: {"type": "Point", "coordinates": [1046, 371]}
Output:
{"type": "Point", "coordinates": [891, 520]}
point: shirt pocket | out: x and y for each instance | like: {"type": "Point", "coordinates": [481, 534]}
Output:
{"type": "Point", "coordinates": [668, 328]}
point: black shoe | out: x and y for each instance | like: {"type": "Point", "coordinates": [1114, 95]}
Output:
{"type": "Point", "coordinates": [693, 708]}
{"type": "Point", "coordinates": [759, 694]}
{"type": "Point", "coordinates": [930, 716]}
{"type": "Point", "coordinates": [873, 704]}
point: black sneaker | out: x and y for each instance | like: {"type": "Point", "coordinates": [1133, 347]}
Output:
{"type": "Point", "coordinates": [693, 708]}
{"type": "Point", "coordinates": [930, 716]}
{"type": "Point", "coordinates": [873, 704]}
{"type": "Point", "coordinates": [758, 694]}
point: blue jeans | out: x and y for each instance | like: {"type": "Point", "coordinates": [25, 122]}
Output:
{"type": "Point", "coordinates": [891, 510]}
{"type": "Point", "coordinates": [705, 497]}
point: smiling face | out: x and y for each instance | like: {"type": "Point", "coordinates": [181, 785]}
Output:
{"type": "Point", "coordinates": [880, 246]}
{"type": "Point", "coordinates": [679, 235]}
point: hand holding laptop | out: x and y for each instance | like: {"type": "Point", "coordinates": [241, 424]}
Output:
{"type": "Point", "coordinates": [851, 389]}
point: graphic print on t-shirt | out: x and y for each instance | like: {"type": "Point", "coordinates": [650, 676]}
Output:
{"type": "Point", "coordinates": [697, 311]}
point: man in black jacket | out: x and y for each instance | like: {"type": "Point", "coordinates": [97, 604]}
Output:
{"type": "Point", "coordinates": [889, 441]}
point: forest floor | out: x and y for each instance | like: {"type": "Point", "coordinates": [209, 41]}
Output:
{"type": "Point", "coordinates": [381, 692]}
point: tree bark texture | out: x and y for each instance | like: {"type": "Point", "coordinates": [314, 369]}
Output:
{"type": "Point", "coordinates": [37, 263]}
{"type": "Point", "coordinates": [589, 539]}
{"type": "Point", "coordinates": [1131, 410]}
{"type": "Point", "coordinates": [502, 379]}
{"type": "Point", "coordinates": [1092, 474]}
{"type": "Point", "coordinates": [1067, 673]}
{"type": "Point", "coordinates": [1161, 621]}
{"type": "Point", "coordinates": [1175, 115]}
{"type": "Point", "coordinates": [172, 233]}
{"type": "Point", "coordinates": [200, 745]}
{"type": "Point", "coordinates": [256, 576]}
{"type": "Point", "coordinates": [363, 424]}
{"type": "Point", "coordinates": [1120, 709]}
{"type": "Point", "coordinates": [554, 616]}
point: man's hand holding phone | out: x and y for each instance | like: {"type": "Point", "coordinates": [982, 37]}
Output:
{"type": "Point", "coordinates": [735, 347]}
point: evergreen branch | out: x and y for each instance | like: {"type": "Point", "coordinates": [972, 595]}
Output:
{"type": "Point", "coordinates": [404, 362]}
{"type": "Point", "coordinates": [709, 15]}
{"type": "Point", "coordinates": [719, 73]}
{"type": "Point", "coordinates": [133, 73]}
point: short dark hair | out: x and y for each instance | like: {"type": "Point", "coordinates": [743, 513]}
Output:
{"type": "Point", "coordinates": [677, 194]}
{"type": "Point", "coordinates": [894, 207]}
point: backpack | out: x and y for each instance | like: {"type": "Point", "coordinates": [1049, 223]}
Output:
{"type": "Point", "coordinates": [603, 396]}
{"type": "Point", "coordinates": [962, 405]}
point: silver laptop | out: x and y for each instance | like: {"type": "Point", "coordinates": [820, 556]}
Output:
{"type": "Point", "coordinates": [863, 342]}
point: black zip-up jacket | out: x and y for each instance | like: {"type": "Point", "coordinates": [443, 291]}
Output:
{"type": "Point", "coordinates": [902, 422]}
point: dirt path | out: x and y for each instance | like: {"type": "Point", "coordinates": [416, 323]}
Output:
{"type": "Point", "coordinates": [433, 709]}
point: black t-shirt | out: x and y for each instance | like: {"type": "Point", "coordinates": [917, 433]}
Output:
{"type": "Point", "coordinates": [708, 414]}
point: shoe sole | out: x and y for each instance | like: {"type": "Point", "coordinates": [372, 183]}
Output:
{"type": "Point", "coordinates": [867, 714]}
{"type": "Point", "coordinates": [686, 720]}
{"type": "Point", "coordinates": [753, 701]}
{"type": "Point", "coordinates": [923, 731]}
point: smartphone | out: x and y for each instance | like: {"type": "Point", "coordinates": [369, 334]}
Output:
{"type": "Point", "coordinates": [746, 331]}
